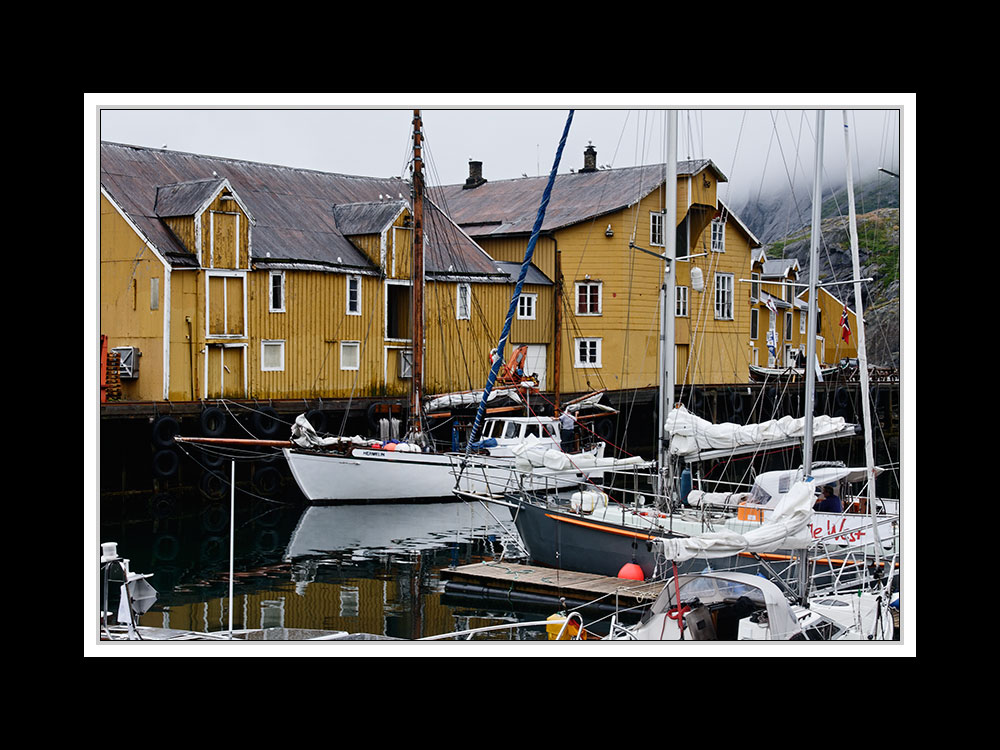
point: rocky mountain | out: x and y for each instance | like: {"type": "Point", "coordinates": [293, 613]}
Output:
{"type": "Point", "coordinates": [781, 221]}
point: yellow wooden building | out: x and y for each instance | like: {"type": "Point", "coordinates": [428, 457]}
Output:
{"type": "Point", "coordinates": [605, 304]}
{"type": "Point", "coordinates": [223, 278]}
{"type": "Point", "coordinates": [779, 318]}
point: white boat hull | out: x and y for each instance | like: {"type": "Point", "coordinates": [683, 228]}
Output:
{"type": "Point", "coordinates": [371, 474]}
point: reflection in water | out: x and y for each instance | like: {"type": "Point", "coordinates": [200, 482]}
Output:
{"type": "Point", "coordinates": [370, 568]}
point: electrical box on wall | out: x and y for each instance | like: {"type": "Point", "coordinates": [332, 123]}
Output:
{"type": "Point", "coordinates": [128, 368]}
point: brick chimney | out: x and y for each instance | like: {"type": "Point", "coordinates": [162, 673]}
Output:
{"type": "Point", "coordinates": [589, 159]}
{"type": "Point", "coordinates": [475, 178]}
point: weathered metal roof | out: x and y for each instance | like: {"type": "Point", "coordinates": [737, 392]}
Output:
{"type": "Point", "coordinates": [185, 198]}
{"type": "Point", "coordinates": [296, 219]}
{"type": "Point", "coordinates": [534, 275]}
{"type": "Point", "coordinates": [510, 206]}
{"type": "Point", "coordinates": [371, 217]}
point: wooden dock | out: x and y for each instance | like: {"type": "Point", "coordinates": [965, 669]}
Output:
{"type": "Point", "coordinates": [514, 582]}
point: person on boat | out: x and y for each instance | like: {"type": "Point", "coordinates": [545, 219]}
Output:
{"type": "Point", "coordinates": [828, 502]}
{"type": "Point", "coordinates": [567, 431]}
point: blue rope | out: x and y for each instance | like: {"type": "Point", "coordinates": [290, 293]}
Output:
{"type": "Point", "coordinates": [495, 367]}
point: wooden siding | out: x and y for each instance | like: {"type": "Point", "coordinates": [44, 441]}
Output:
{"type": "Point", "coordinates": [512, 249]}
{"type": "Point", "coordinates": [127, 270]}
{"type": "Point", "coordinates": [312, 328]}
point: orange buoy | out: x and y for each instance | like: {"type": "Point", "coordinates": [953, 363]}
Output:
{"type": "Point", "coordinates": [632, 572]}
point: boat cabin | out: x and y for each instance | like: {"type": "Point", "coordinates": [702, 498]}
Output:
{"type": "Point", "coordinates": [507, 430]}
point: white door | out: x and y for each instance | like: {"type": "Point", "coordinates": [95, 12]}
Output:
{"type": "Point", "coordinates": [535, 362]}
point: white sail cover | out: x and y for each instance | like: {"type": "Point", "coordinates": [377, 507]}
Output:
{"type": "Point", "coordinates": [783, 530]}
{"type": "Point", "coordinates": [304, 435]}
{"type": "Point", "coordinates": [690, 434]}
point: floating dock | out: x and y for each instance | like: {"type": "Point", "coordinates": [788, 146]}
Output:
{"type": "Point", "coordinates": [547, 588]}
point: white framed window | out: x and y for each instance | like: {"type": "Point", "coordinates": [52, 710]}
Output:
{"type": "Point", "coordinates": [526, 304]}
{"type": "Point", "coordinates": [788, 325]}
{"type": "Point", "coordinates": [718, 236]}
{"type": "Point", "coordinates": [276, 296]}
{"type": "Point", "coordinates": [754, 286]}
{"type": "Point", "coordinates": [681, 302]}
{"type": "Point", "coordinates": [656, 228]}
{"type": "Point", "coordinates": [588, 297]}
{"type": "Point", "coordinates": [723, 296]}
{"type": "Point", "coordinates": [353, 295]}
{"type": "Point", "coordinates": [463, 301]}
{"type": "Point", "coordinates": [272, 356]}
{"type": "Point", "coordinates": [802, 321]}
{"type": "Point", "coordinates": [754, 324]}
{"type": "Point", "coordinates": [587, 353]}
{"type": "Point", "coordinates": [154, 293]}
{"type": "Point", "coordinates": [350, 355]}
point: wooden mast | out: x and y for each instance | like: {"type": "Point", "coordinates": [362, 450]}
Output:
{"type": "Point", "coordinates": [416, 421]}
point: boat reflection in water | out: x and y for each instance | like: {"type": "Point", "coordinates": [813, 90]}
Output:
{"type": "Point", "coordinates": [366, 568]}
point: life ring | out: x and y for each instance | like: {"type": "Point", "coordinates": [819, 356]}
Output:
{"type": "Point", "coordinates": [165, 463]}
{"type": "Point", "coordinates": [265, 421]}
{"type": "Point", "coordinates": [212, 485]}
{"type": "Point", "coordinates": [317, 419]}
{"type": "Point", "coordinates": [214, 422]}
{"type": "Point", "coordinates": [267, 480]}
{"type": "Point", "coordinates": [165, 429]}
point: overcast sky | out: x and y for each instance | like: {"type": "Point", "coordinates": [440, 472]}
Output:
{"type": "Point", "coordinates": [756, 140]}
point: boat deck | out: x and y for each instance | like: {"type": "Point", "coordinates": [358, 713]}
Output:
{"type": "Point", "coordinates": [536, 579]}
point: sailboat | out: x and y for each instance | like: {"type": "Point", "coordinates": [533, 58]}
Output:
{"type": "Point", "coordinates": [627, 538]}
{"type": "Point", "coordinates": [351, 468]}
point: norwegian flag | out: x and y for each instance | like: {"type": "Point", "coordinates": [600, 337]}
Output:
{"type": "Point", "coordinates": [845, 326]}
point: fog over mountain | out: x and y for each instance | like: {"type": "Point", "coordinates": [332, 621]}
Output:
{"type": "Point", "coordinates": [781, 220]}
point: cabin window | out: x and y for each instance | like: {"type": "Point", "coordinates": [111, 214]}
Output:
{"type": "Point", "coordinates": [350, 355]}
{"type": "Point", "coordinates": [681, 302]}
{"type": "Point", "coordinates": [272, 356]}
{"type": "Point", "coordinates": [532, 429]}
{"type": "Point", "coordinates": [463, 301]}
{"type": "Point", "coordinates": [588, 297]}
{"type": "Point", "coordinates": [718, 236]}
{"type": "Point", "coordinates": [526, 306]}
{"type": "Point", "coordinates": [588, 353]}
{"type": "Point", "coordinates": [513, 428]}
{"type": "Point", "coordinates": [723, 296]}
{"type": "Point", "coordinates": [656, 228]}
{"type": "Point", "coordinates": [353, 295]}
{"type": "Point", "coordinates": [754, 323]}
{"type": "Point", "coordinates": [277, 297]}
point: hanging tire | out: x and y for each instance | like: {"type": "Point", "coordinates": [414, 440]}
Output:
{"type": "Point", "coordinates": [165, 547]}
{"type": "Point", "coordinates": [212, 485]}
{"type": "Point", "coordinates": [214, 422]}
{"type": "Point", "coordinates": [267, 480]}
{"type": "Point", "coordinates": [736, 406]}
{"type": "Point", "coordinates": [165, 429]}
{"type": "Point", "coordinates": [605, 429]}
{"type": "Point", "coordinates": [211, 459]}
{"type": "Point", "coordinates": [266, 422]}
{"type": "Point", "coordinates": [317, 419]}
{"type": "Point", "coordinates": [162, 505]}
{"type": "Point", "coordinates": [215, 517]}
{"type": "Point", "coordinates": [165, 463]}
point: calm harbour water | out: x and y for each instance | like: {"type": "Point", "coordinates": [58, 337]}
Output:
{"type": "Point", "coordinates": [360, 568]}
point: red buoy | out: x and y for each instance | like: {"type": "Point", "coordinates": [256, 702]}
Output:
{"type": "Point", "coordinates": [632, 572]}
